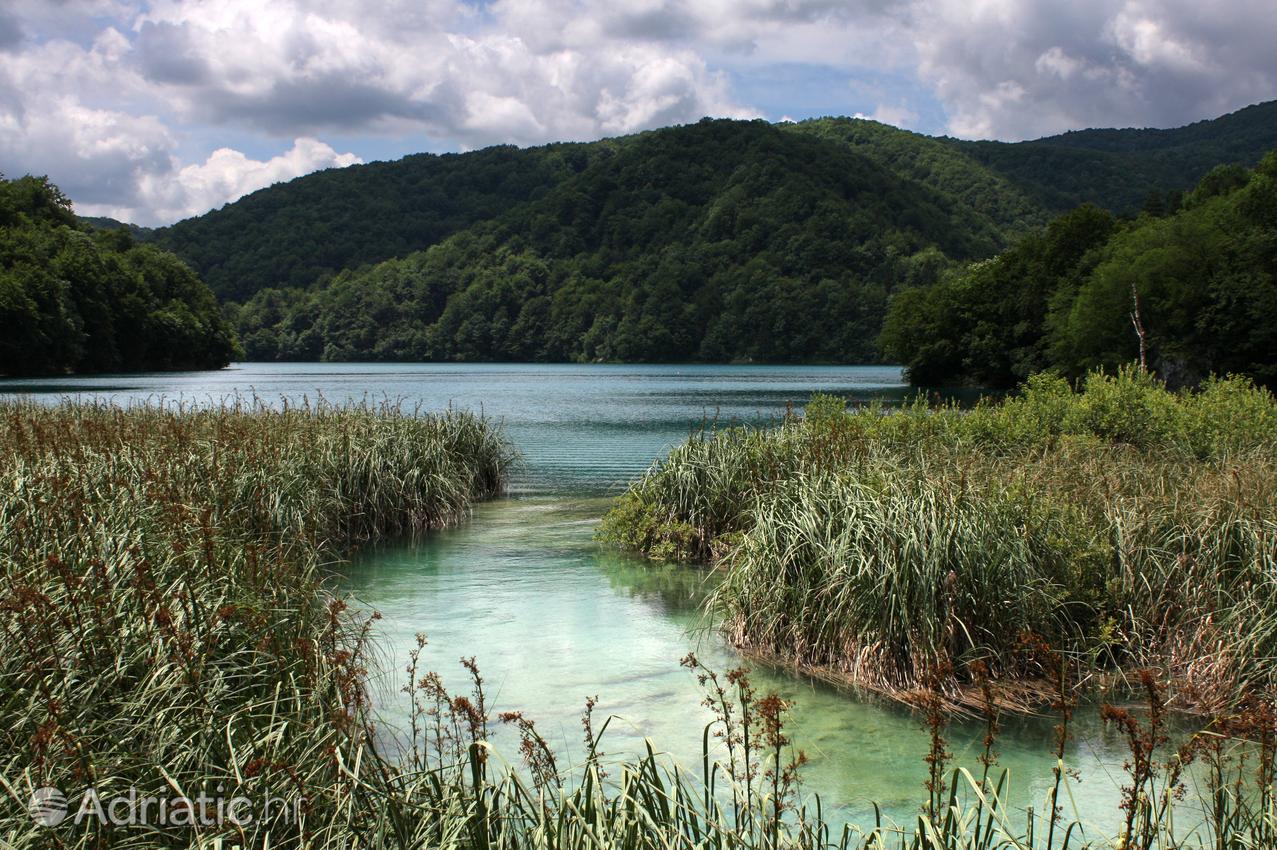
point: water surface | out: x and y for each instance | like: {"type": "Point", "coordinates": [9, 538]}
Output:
{"type": "Point", "coordinates": [581, 429]}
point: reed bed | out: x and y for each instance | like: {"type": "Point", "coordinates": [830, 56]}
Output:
{"type": "Point", "coordinates": [169, 628]}
{"type": "Point", "coordinates": [1127, 525]}
{"type": "Point", "coordinates": [165, 607]}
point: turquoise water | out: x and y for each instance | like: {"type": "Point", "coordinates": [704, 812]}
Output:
{"type": "Point", "coordinates": [553, 617]}
{"type": "Point", "coordinates": [581, 429]}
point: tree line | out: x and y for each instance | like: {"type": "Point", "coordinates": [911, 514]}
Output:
{"type": "Point", "coordinates": [1189, 287]}
{"type": "Point", "coordinates": [75, 299]}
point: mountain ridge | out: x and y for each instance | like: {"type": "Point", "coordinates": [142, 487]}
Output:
{"type": "Point", "coordinates": [718, 240]}
{"type": "Point", "coordinates": [293, 233]}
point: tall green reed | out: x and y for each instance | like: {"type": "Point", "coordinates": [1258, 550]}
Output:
{"type": "Point", "coordinates": [1129, 525]}
{"type": "Point", "coordinates": [169, 627]}
{"type": "Point", "coordinates": [166, 612]}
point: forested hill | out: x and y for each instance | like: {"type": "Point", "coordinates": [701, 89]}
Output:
{"type": "Point", "coordinates": [292, 234]}
{"type": "Point", "coordinates": [75, 300]}
{"type": "Point", "coordinates": [721, 240]}
{"type": "Point", "coordinates": [1126, 170]}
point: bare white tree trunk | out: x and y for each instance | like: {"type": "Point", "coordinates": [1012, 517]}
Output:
{"type": "Point", "coordinates": [1139, 328]}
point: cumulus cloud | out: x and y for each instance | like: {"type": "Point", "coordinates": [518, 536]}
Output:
{"type": "Point", "coordinates": [894, 114]}
{"type": "Point", "coordinates": [97, 155]}
{"type": "Point", "coordinates": [740, 26]}
{"type": "Point", "coordinates": [49, 123]}
{"type": "Point", "coordinates": [293, 66]}
{"type": "Point", "coordinates": [226, 175]}
{"type": "Point", "coordinates": [127, 103]}
{"type": "Point", "coordinates": [1017, 69]}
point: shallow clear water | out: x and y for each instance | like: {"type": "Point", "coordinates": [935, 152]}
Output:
{"type": "Point", "coordinates": [554, 617]}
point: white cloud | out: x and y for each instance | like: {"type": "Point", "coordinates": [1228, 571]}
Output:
{"type": "Point", "coordinates": [893, 114]}
{"type": "Point", "coordinates": [1056, 61]}
{"type": "Point", "coordinates": [294, 66]}
{"type": "Point", "coordinates": [1152, 44]}
{"type": "Point", "coordinates": [127, 103]}
{"type": "Point", "coordinates": [225, 176]}
{"type": "Point", "coordinates": [121, 160]}
{"type": "Point", "coordinates": [96, 155]}
{"type": "Point", "coordinates": [1021, 68]}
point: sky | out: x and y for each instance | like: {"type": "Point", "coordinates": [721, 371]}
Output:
{"type": "Point", "coordinates": [154, 110]}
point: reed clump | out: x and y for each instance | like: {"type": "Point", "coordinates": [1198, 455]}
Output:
{"type": "Point", "coordinates": [1128, 525]}
{"type": "Point", "coordinates": [165, 609]}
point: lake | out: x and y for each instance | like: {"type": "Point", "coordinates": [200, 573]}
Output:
{"type": "Point", "coordinates": [552, 616]}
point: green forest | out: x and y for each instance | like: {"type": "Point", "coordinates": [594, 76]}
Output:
{"type": "Point", "coordinates": [1198, 281]}
{"type": "Point", "coordinates": [718, 241]}
{"type": "Point", "coordinates": [79, 300]}
{"type": "Point", "coordinates": [828, 240]}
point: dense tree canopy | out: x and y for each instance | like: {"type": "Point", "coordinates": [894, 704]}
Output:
{"type": "Point", "coordinates": [744, 241]}
{"type": "Point", "coordinates": [73, 300]}
{"type": "Point", "coordinates": [1202, 278]}
{"type": "Point", "coordinates": [937, 163]}
{"type": "Point", "coordinates": [717, 241]}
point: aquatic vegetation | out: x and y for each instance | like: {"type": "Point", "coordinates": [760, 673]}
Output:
{"type": "Point", "coordinates": [1128, 525]}
{"type": "Point", "coordinates": [170, 630]}
{"type": "Point", "coordinates": [747, 793]}
{"type": "Point", "coordinates": [164, 606]}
